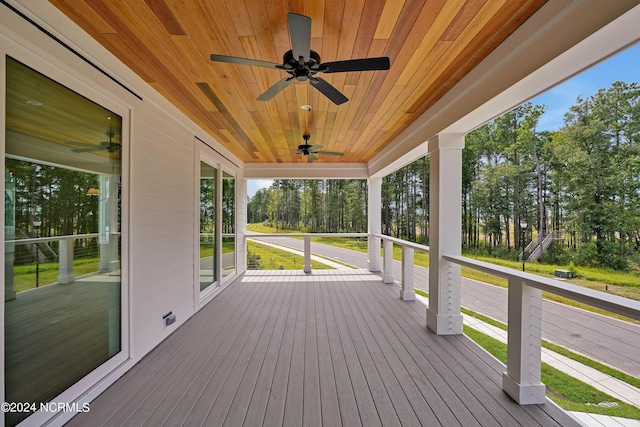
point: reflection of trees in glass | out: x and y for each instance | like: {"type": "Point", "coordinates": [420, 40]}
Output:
{"type": "Point", "coordinates": [228, 205]}
{"type": "Point", "coordinates": [207, 205]}
{"type": "Point", "coordinates": [56, 196]}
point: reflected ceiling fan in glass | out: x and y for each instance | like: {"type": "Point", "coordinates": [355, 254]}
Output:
{"type": "Point", "coordinates": [110, 146]}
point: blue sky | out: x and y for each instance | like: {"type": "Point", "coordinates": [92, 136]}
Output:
{"type": "Point", "coordinates": [624, 67]}
{"type": "Point", "coordinates": [254, 185]}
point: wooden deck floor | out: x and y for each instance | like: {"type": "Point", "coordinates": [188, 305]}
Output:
{"type": "Point", "coordinates": [330, 348]}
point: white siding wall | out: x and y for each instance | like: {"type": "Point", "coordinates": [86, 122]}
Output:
{"type": "Point", "coordinates": [160, 227]}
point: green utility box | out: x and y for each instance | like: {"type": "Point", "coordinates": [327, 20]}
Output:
{"type": "Point", "coordinates": [565, 274]}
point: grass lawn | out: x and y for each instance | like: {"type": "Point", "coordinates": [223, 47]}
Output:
{"type": "Point", "coordinates": [276, 259]}
{"type": "Point", "coordinates": [24, 276]}
{"type": "Point", "coordinates": [569, 393]}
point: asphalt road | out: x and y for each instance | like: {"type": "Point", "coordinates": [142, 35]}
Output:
{"type": "Point", "coordinates": [608, 340]}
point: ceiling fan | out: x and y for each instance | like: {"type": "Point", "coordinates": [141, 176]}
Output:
{"type": "Point", "coordinates": [109, 146]}
{"type": "Point", "coordinates": [311, 150]}
{"type": "Point", "coordinates": [303, 64]}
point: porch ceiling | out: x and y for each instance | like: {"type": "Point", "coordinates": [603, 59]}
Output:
{"type": "Point", "coordinates": [431, 46]}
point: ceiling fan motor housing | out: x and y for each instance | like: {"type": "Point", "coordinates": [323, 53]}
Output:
{"type": "Point", "coordinates": [302, 71]}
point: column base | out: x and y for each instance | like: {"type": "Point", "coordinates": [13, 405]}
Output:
{"type": "Point", "coordinates": [524, 394]}
{"type": "Point", "coordinates": [444, 324]}
{"type": "Point", "coordinates": [67, 278]}
{"type": "Point", "coordinates": [407, 295]}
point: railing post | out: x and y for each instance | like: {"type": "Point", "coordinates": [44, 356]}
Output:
{"type": "Point", "coordinates": [387, 269]}
{"type": "Point", "coordinates": [407, 293]}
{"type": "Point", "coordinates": [522, 379]}
{"type": "Point", "coordinates": [65, 258]}
{"type": "Point", "coordinates": [307, 254]}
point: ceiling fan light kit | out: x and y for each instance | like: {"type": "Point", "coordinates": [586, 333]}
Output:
{"type": "Point", "coordinates": [310, 151]}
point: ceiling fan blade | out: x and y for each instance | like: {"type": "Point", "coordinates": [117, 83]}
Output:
{"type": "Point", "coordinates": [244, 61]}
{"type": "Point", "coordinates": [80, 144]}
{"type": "Point", "coordinates": [86, 150]}
{"type": "Point", "coordinates": [329, 91]}
{"type": "Point", "coordinates": [315, 147]}
{"type": "Point", "coordinates": [300, 33]}
{"type": "Point", "coordinates": [365, 64]}
{"type": "Point", "coordinates": [275, 89]}
{"type": "Point", "coordinates": [329, 153]}
{"type": "Point", "coordinates": [312, 157]}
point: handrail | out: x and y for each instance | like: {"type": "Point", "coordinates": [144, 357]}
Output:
{"type": "Point", "coordinates": [307, 241]}
{"type": "Point", "coordinates": [255, 234]}
{"type": "Point", "coordinates": [32, 240]}
{"type": "Point", "coordinates": [407, 293]}
{"type": "Point", "coordinates": [522, 379]}
{"type": "Point", "coordinates": [401, 242]}
{"type": "Point", "coordinates": [533, 248]}
{"type": "Point", "coordinates": [613, 303]}
{"type": "Point", "coordinates": [65, 254]}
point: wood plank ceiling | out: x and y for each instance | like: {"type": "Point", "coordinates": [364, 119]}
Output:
{"type": "Point", "coordinates": [431, 44]}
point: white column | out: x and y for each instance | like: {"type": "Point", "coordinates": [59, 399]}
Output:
{"type": "Point", "coordinates": [445, 225]}
{"type": "Point", "coordinates": [387, 276]}
{"type": "Point", "coordinates": [407, 293]}
{"type": "Point", "coordinates": [65, 259]}
{"type": "Point", "coordinates": [241, 225]}
{"type": "Point", "coordinates": [374, 215]}
{"type": "Point", "coordinates": [522, 379]}
{"type": "Point", "coordinates": [307, 254]}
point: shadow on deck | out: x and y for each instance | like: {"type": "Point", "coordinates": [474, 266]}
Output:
{"type": "Point", "coordinates": [336, 347]}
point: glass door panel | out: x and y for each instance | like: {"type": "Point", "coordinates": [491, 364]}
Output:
{"type": "Point", "coordinates": [228, 224]}
{"type": "Point", "coordinates": [208, 259]}
{"type": "Point", "coordinates": [62, 166]}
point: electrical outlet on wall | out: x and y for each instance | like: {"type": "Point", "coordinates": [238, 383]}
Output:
{"type": "Point", "coordinates": [169, 318]}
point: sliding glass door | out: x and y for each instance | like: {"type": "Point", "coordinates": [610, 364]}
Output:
{"type": "Point", "coordinates": [216, 248]}
{"type": "Point", "coordinates": [62, 293]}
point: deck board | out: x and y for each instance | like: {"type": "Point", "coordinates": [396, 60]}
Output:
{"type": "Point", "coordinates": [328, 348]}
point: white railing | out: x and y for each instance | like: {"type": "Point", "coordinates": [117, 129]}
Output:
{"type": "Point", "coordinates": [522, 378]}
{"type": "Point", "coordinates": [407, 291]}
{"type": "Point", "coordinates": [307, 241]}
{"type": "Point", "coordinates": [524, 318]}
{"type": "Point", "coordinates": [65, 252]}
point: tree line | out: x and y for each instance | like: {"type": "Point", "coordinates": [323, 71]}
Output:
{"type": "Point", "coordinates": [54, 197]}
{"type": "Point", "coordinates": [57, 197]}
{"type": "Point", "coordinates": [518, 182]}
{"type": "Point", "coordinates": [316, 206]}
